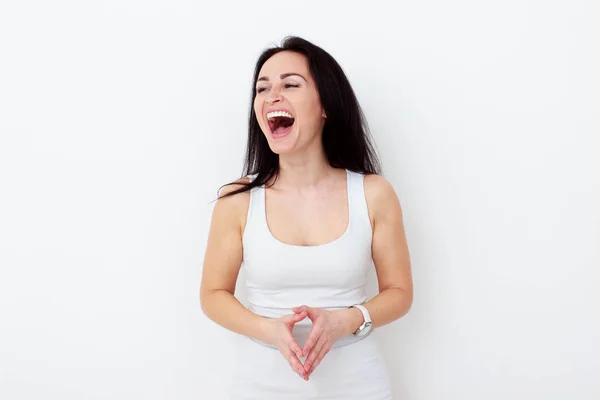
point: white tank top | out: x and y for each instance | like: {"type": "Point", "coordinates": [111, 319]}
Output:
{"type": "Point", "coordinates": [332, 276]}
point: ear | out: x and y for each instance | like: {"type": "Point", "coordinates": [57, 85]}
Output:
{"type": "Point", "coordinates": [323, 114]}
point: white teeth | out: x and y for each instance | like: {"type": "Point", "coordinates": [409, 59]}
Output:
{"type": "Point", "coordinates": [274, 114]}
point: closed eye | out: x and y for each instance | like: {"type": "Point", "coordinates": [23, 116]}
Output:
{"type": "Point", "coordinates": [287, 85]}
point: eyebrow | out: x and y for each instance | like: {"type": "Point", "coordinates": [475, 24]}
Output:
{"type": "Point", "coordinates": [282, 76]}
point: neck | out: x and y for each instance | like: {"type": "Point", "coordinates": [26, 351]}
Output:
{"type": "Point", "coordinates": [305, 170]}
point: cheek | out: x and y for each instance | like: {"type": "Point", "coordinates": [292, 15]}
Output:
{"type": "Point", "coordinates": [262, 124]}
{"type": "Point", "coordinates": [310, 112]}
{"type": "Point", "coordinates": [257, 112]}
{"type": "Point", "coordinates": [256, 108]}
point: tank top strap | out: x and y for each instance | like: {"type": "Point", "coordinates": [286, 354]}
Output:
{"type": "Point", "coordinates": [358, 201]}
{"type": "Point", "coordinates": [256, 209]}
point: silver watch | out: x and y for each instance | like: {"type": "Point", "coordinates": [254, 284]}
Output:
{"type": "Point", "coordinates": [366, 326]}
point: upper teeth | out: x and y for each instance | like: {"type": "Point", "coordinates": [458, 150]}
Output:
{"type": "Point", "coordinates": [274, 114]}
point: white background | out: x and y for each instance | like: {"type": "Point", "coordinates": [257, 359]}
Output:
{"type": "Point", "coordinates": [119, 120]}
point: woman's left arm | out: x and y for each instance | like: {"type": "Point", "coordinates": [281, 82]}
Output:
{"type": "Point", "coordinates": [390, 256]}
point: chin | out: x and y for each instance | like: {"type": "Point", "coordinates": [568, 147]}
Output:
{"type": "Point", "coordinates": [282, 148]}
{"type": "Point", "coordinates": [283, 145]}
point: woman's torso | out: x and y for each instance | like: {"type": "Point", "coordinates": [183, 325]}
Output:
{"type": "Point", "coordinates": [331, 275]}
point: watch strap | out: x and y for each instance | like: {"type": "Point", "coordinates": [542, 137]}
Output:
{"type": "Point", "coordinates": [364, 311]}
{"type": "Point", "coordinates": [366, 316]}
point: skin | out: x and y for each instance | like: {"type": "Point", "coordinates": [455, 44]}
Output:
{"type": "Point", "coordinates": [307, 192]}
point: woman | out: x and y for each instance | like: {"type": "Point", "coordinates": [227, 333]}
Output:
{"type": "Point", "coordinates": [308, 221]}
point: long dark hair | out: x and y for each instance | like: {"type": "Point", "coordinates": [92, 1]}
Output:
{"type": "Point", "coordinates": [346, 139]}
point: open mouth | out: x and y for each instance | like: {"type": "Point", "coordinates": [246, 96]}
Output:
{"type": "Point", "coordinates": [280, 125]}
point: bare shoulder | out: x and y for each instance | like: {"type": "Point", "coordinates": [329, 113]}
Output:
{"type": "Point", "coordinates": [235, 207]}
{"type": "Point", "coordinates": [233, 186]}
{"type": "Point", "coordinates": [377, 186]}
{"type": "Point", "coordinates": [381, 197]}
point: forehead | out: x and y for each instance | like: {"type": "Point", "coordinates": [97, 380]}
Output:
{"type": "Point", "coordinates": [283, 62]}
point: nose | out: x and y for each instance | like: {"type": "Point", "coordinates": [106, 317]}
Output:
{"type": "Point", "coordinates": [274, 96]}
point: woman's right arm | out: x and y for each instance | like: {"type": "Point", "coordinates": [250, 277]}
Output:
{"type": "Point", "coordinates": [222, 262]}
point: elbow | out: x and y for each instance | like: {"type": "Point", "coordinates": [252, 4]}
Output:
{"type": "Point", "coordinates": [407, 302]}
{"type": "Point", "coordinates": [211, 300]}
{"type": "Point", "coordinates": [205, 301]}
{"type": "Point", "coordinates": [404, 300]}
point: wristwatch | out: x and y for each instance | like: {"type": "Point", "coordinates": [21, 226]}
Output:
{"type": "Point", "coordinates": [366, 327]}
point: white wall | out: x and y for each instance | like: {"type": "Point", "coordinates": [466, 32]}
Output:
{"type": "Point", "coordinates": [119, 120]}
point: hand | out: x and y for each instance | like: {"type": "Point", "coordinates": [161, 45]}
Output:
{"type": "Point", "coordinates": [280, 335]}
{"type": "Point", "coordinates": [328, 326]}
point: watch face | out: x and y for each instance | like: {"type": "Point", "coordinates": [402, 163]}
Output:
{"type": "Point", "coordinates": [364, 329]}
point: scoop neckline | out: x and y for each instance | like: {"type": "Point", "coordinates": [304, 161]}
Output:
{"type": "Point", "coordinates": [338, 239]}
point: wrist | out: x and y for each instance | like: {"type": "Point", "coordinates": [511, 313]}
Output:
{"type": "Point", "coordinates": [353, 319]}
{"type": "Point", "coordinates": [265, 329]}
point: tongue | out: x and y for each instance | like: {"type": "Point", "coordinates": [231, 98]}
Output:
{"type": "Point", "coordinates": [282, 130]}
